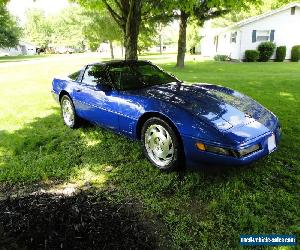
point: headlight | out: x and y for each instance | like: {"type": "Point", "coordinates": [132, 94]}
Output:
{"type": "Point", "coordinates": [247, 151]}
{"type": "Point", "coordinates": [218, 150]}
{"type": "Point", "coordinates": [213, 149]}
{"type": "Point", "coordinates": [228, 152]}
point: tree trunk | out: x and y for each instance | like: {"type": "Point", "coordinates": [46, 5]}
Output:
{"type": "Point", "coordinates": [160, 38]}
{"type": "Point", "coordinates": [132, 29]}
{"type": "Point", "coordinates": [160, 44]}
{"type": "Point", "coordinates": [182, 39]}
{"type": "Point", "coordinates": [128, 17]}
{"type": "Point", "coordinates": [111, 49]}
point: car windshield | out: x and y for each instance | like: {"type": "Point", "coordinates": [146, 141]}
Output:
{"type": "Point", "coordinates": [139, 75]}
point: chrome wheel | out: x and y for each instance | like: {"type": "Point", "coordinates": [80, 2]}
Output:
{"type": "Point", "coordinates": [68, 112]}
{"type": "Point", "coordinates": [159, 145]}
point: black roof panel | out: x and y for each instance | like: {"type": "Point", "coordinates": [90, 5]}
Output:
{"type": "Point", "coordinates": [122, 62]}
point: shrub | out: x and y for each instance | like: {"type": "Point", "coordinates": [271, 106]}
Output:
{"type": "Point", "coordinates": [221, 58]}
{"type": "Point", "coordinates": [295, 53]}
{"type": "Point", "coordinates": [280, 53]}
{"type": "Point", "coordinates": [266, 50]}
{"type": "Point", "coordinates": [251, 55]}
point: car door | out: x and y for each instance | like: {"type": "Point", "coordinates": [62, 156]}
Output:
{"type": "Point", "coordinates": [129, 105]}
{"type": "Point", "coordinates": [96, 99]}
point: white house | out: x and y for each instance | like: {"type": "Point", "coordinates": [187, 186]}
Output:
{"type": "Point", "coordinates": [281, 26]}
{"type": "Point", "coordinates": [24, 48]}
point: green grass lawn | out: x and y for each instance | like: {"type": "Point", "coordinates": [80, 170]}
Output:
{"type": "Point", "coordinates": [205, 209]}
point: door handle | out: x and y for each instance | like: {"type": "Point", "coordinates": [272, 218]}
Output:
{"type": "Point", "coordinates": [78, 90]}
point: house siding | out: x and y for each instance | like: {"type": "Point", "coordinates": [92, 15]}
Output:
{"type": "Point", "coordinates": [22, 49]}
{"type": "Point", "coordinates": [226, 47]}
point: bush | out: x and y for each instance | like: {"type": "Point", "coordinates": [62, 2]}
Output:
{"type": "Point", "coordinates": [251, 55]}
{"type": "Point", "coordinates": [266, 50]}
{"type": "Point", "coordinates": [295, 53]}
{"type": "Point", "coordinates": [280, 54]}
{"type": "Point", "coordinates": [221, 58]}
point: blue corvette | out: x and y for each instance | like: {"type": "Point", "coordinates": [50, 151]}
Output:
{"type": "Point", "coordinates": [196, 124]}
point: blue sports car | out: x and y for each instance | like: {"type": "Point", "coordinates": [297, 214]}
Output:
{"type": "Point", "coordinates": [178, 124]}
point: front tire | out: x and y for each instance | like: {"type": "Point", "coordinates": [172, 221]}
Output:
{"type": "Point", "coordinates": [68, 112]}
{"type": "Point", "coordinates": [161, 145]}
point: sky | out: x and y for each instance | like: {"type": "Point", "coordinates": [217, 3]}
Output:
{"type": "Point", "coordinates": [18, 7]}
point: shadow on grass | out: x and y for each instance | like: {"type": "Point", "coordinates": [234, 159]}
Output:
{"type": "Point", "coordinates": [83, 221]}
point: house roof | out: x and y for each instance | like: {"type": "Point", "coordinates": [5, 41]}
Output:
{"type": "Point", "coordinates": [259, 17]}
{"type": "Point", "coordinates": [266, 14]}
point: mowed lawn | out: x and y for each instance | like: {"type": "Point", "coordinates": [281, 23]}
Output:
{"type": "Point", "coordinates": [204, 209]}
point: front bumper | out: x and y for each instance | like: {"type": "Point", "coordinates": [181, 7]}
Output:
{"type": "Point", "coordinates": [196, 158]}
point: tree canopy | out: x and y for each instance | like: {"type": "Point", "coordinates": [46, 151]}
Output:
{"type": "Point", "coordinates": [101, 27]}
{"type": "Point", "coordinates": [10, 32]}
{"type": "Point", "coordinates": [38, 28]}
{"type": "Point", "coordinates": [127, 14]}
{"type": "Point", "coordinates": [201, 11]}
{"type": "Point", "coordinates": [64, 29]}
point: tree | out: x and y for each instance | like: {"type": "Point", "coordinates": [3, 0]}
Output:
{"type": "Point", "coordinates": [127, 14]}
{"type": "Point", "coordinates": [9, 31]}
{"type": "Point", "coordinates": [68, 27]}
{"type": "Point", "coordinates": [154, 22]}
{"type": "Point", "coordinates": [202, 11]}
{"type": "Point", "coordinates": [147, 37]}
{"type": "Point", "coordinates": [101, 27]}
{"type": "Point", "coordinates": [62, 30]}
{"type": "Point", "coordinates": [150, 33]}
{"type": "Point", "coordinates": [193, 36]}
{"type": "Point", "coordinates": [38, 28]}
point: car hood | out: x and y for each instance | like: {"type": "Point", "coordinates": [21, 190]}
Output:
{"type": "Point", "coordinates": [224, 108]}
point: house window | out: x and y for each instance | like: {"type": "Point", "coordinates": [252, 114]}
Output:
{"type": "Point", "coordinates": [293, 10]}
{"type": "Point", "coordinates": [233, 37]}
{"type": "Point", "coordinates": [263, 35]}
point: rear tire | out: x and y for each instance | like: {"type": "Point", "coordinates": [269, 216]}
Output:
{"type": "Point", "coordinates": [68, 112]}
{"type": "Point", "coordinates": [161, 145]}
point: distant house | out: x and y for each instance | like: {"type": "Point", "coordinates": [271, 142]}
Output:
{"type": "Point", "coordinates": [281, 26]}
{"type": "Point", "coordinates": [24, 48]}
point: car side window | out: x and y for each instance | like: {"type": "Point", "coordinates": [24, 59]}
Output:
{"type": "Point", "coordinates": [94, 75]}
{"type": "Point", "coordinates": [124, 77]}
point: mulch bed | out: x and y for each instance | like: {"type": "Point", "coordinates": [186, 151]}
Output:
{"type": "Point", "coordinates": [82, 221]}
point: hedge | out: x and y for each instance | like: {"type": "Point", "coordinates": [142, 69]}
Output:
{"type": "Point", "coordinates": [266, 50]}
{"type": "Point", "coordinates": [221, 58]}
{"type": "Point", "coordinates": [251, 55]}
{"type": "Point", "coordinates": [295, 53]}
{"type": "Point", "coordinates": [280, 54]}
